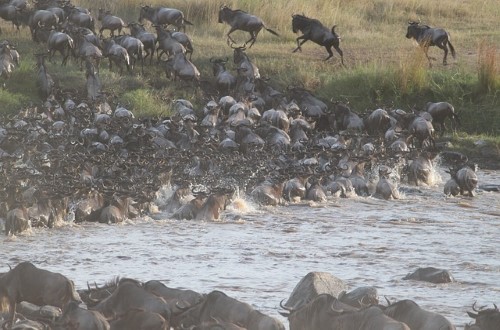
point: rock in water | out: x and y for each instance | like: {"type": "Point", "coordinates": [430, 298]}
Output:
{"type": "Point", "coordinates": [314, 284]}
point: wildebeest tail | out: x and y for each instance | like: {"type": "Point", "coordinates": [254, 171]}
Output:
{"type": "Point", "coordinates": [452, 49]}
{"type": "Point", "coordinates": [273, 32]}
{"type": "Point", "coordinates": [187, 22]}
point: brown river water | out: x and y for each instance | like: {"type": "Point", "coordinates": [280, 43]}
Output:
{"type": "Point", "coordinates": [258, 254]}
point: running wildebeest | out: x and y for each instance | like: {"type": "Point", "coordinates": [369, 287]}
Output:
{"type": "Point", "coordinates": [26, 282]}
{"type": "Point", "coordinates": [427, 37]}
{"type": "Point", "coordinates": [110, 22]}
{"type": "Point", "coordinates": [315, 31]}
{"type": "Point", "coordinates": [241, 20]}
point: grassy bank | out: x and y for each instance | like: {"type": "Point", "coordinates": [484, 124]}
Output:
{"type": "Point", "coordinates": [383, 68]}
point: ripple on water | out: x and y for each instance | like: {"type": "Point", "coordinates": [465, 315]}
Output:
{"type": "Point", "coordinates": [258, 255]}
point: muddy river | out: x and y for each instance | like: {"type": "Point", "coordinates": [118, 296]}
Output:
{"type": "Point", "coordinates": [258, 254]}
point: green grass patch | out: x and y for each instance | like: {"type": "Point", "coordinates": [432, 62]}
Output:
{"type": "Point", "coordinates": [143, 103]}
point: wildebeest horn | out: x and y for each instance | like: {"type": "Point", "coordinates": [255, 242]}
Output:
{"type": "Point", "coordinates": [284, 307]}
{"type": "Point", "coordinates": [336, 310]}
{"type": "Point", "coordinates": [388, 302]}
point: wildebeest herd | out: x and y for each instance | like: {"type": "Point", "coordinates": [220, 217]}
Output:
{"type": "Point", "coordinates": [40, 299]}
{"type": "Point", "coordinates": [79, 158]}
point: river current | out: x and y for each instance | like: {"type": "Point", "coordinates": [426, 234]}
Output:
{"type": "Point", "coordinates": [258, 254]}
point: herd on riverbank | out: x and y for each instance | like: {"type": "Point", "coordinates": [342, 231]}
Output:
{"type": "Point", "coordinates": [79, 158]}
{"type": "Point", "coordinates": [39, 299]}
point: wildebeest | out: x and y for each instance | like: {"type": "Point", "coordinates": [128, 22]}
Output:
{"type": "Point", "coordinates": [385, 188]}
{"type": "Point", "coordinates": [116, 54]}
{"type": "Point", "coordinates": [421, 169]}
{"type": "Point", "coordinates": [7, 62]}
{"type": "Point", "coordinates": [173, 296]}
{"type": "Point", "coordinates": [93, 84]}
{"type": "Point", "coordinates": [486, 319]}
{"type": "Point", "coordinates": [377, 122]}
{"type": "Point", "coordinates": [465, 178]}
{"type": "Point", "coordinates": [110, 22]}
{"type": "Point", "coordinates": [430, 274]}
{"type": "Point", "coordinates": [36, 19]}
{"type": "Point", "coordinates": [241, 20]}
{"type": "Point", "coordinates": [26, 282]}
{"type": "Point", "coordinates": [315, 31]}
{"type": "Point", "coordinates": [440, 111]}
{"type": "Point", "coordinates": [44, 82]}
{"type": "Point", "coordinates": [346, 119]}
{"type": "Point", "coordinates": [371, 318]}
{"type": "Point", "coordinates": [225, 81]}
{"type": "Point", "coordinates": [317, 314]}
{"type": "Point", "coordinates": [134, 47]}
{"type": "Point", "coordinates": [167, 44]}
{"type": "Point", "coordinates": [17, 220]}
{"type": "Point", "coordinates": [138, 319]}
{"type": "Point", "coordinates": [218, 305]}
{"type": "Point", "coordinates": [415, 317]}
{"type": "Point", "coordinates": [80, 18]}
{"type": "Point", "coordinates": [427, 37]}
{"type": "Point", "coordinates": [148, 39]}
{"type": "Point", "coordinates": [214, 204]}
{"type": "Point", "coordinates": [164, 16]}
{"type": "Point", "coordinates": [85, 50]}
{"type": "Point", "coordinates": [77, 318]}
{"type": "Point", "coordinates": [57, 42]}
{"type": "Point", "coordinates": [9, 12]}
{"type": "Point", "coordinates": [180, 67]}
{"type": "Point", "coordinates": [116, 211]}
{"type": "Point", "coordinates": [131, 295]}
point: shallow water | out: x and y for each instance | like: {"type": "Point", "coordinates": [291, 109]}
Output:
{"type": "Point", "coordinates": [258, 255]}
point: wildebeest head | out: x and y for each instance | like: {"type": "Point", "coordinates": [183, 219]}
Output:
{"type": "Point", "coordinates": [414, 29]}
{"type": "Point", "coordinates": [224, 13]}
{"type": "Point", "coordinates": [486, 319]}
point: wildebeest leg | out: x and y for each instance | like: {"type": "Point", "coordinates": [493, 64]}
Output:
{"type": "Point", "coordinates": [300, 43]}
{"type": "Point", "coordinates": [443, 47]}
{"type": "Point", "coordinates": [341, 53]}
{"type": "Point", "coordinates": [426, 52]}
{"type": "Point", "coordinates": [330, 53]}
{"type": "Point", "coordinates": [252, 39]}
{"type": "Point", "coordinates": [229, 37]}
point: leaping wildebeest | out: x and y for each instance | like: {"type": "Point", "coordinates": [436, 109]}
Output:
{"type": "Point", "coordinates": [241, 20]}
{"type": "Point", "coordinates": [427, 37]}
{"type": "Point", "coordinates": [315, 31]}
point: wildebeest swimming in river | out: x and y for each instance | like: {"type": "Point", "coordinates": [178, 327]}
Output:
{"type": "Point", "coordinates": [315, 31]}
{"type": "Point", "coordinates": [427, 36]}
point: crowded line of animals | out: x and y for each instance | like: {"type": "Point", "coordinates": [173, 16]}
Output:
{"type": "Point", "coordinates": [41, 299]}
{"type": "Point", "coordinates": [77, 159]}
